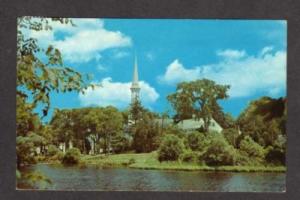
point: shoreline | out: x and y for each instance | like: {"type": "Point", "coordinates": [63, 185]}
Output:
{"type": "Point", "coordinates": [148, 161]}
{"type": "Point", "coordinates": [187, 167]}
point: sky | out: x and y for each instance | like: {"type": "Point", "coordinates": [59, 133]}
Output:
{"type": "Point", "coordinates": [248, 55]}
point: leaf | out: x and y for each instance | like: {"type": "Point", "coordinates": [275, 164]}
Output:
{"type": "Point", "coordinates": [49, 50]}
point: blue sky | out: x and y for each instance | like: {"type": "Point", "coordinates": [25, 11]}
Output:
{"type": "Point", "coordinates": [249, 55]}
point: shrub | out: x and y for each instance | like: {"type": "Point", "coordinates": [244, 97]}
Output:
{"type": "Point", "coordinates": [25, 151]}
{"type": "Point", "coordinates": [252, 148]}
{"type": "Point", "coordinates": [170, 148]}
{"type": "Point", "coordinates": [188, 156]}
{"type": "Point", "coordinates": [71, 157]}
{"type": "Point", "coordinates": [131, 161]}
{"type": "Point", "coordinates": [197, 141]}
{"type": "Point", "coordinates": [275, 156]}
{"type": "Point", "coordinates": [219, 152]}
{"type": "Point", "coordinates": [52, 150]}
{"type": "Point", "coordinates": [58, 156]}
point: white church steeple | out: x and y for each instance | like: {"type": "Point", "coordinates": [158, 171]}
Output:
{"type": "Point", "coordinates": [135, 88]}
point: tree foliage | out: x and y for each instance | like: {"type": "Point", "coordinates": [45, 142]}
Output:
{"type": "Point", "coordinates": [264, 120]}
{"type": "Point", "coordinates": [251, 148]}
{"type": "Point", "coordinates": [197, 97]}
{"type": "Point", "coordinates": [71, 157]}
{"type": "Point", "coordinates": [219, 152]}
{"type": "Point", "coordinates": [39, 70]}
{"type": "Point", "coordinates": [146, 134]}
{"type": "Point", "coordinates": [170, 149]}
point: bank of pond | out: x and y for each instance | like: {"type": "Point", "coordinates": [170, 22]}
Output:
{"type": "Point", "coordinates": [116, 172]}
{"type": "Point", "coordinates": [101, 178]}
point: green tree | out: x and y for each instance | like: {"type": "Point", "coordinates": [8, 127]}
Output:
{"type": "Point", "coordinates": [231, 135]}
{"type": "Point", "coordinates": [40, 71]}
{"type": "Point", "coordinates": [110, 126]}
{"type": "Point", "coordinates": [264, 120]}
{"type": "Point", "coordinates": [146, 134]}
{"type": "Point", "coordinates": [197, 97]}
{"type": "Point", "coordinates": [136, 110]}
{"type": "Point", "coordinates": [39, 76]}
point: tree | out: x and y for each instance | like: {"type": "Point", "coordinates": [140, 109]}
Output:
{"type": "Point", "coordinates": [110, 126]}
{"type": "Point", "coordinates": [39, 72]}
{"type": "Point", "coordinates": [37, 76]}
{"type": "Point", "coordinates": [146, 134]}
{"type": "Point", "coordinates": [63, 125]}
{"type": "Point", "coordinates": [136, 110]}
{"type": "Point", "coordinates": [264, 120]}
{"type": "Point", "coordinates": [231, 135]}
{"type": "Point", "coordinates": [197, 97]}
{"type": "Point", "coordinates": [225, 120]}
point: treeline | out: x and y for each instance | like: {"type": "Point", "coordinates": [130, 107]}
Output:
{"type": "Point", "coordinates": [256, 137]}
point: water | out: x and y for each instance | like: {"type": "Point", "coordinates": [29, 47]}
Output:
{"type": "Point", "coordinates": [125, 179]}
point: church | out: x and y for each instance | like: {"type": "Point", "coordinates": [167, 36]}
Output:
{"type": "Point", "coordinates": [187, 125]}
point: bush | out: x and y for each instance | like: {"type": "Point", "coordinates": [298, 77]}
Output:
{"type": "Point", "coordinates": [71, 157]}
{"type": "Point", "coordinates": [197, 141]}
{"type": "Point", "coordinates": [170, 148]}
{"type": "Point", "coordinates": [52, 150]}
{"type": "Point", "coordinates": [59, 156]}
{"type": "Point", "coordinates": [252, 148]}
{"type": "Point", "coordinates": [25, 151]}
{"type": "Point", "coordinates": [131, 161]}
{"type": "Point", "coordinates": [219, 152]}
{"type": "Point", "coordinates": [188, 156]}
{"type": "Point", "coordinates": [275, 156]}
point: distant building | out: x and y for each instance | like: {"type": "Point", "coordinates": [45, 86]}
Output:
{"type": "Point", "coordinates": [186, 125]}
{"type": "Point", "coordinates": [189, 125]}
{"type": "Point", "coordinates": [135, 89]}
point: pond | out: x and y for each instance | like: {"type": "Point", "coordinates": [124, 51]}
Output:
{"type": "Point", "coordinates": [126, 179]}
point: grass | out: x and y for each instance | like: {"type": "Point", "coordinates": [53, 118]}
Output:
{"type": "Point", "coordinates": [149, 161]}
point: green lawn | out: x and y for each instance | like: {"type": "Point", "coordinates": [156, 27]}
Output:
{"type": "Point", "coordinates": [149, 161]}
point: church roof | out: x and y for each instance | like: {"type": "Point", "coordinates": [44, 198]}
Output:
{"type": "Point", "coordinates": [194, 124]}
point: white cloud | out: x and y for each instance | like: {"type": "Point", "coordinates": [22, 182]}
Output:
{"type": "Point", "coordinates": [266, 50]}
{"type": "Point", "coordinates": [83, 42]}
{"type": "Point", "coordinates": [101, 68]}
{"type": "Point", "coordinates": [120, 54]}
{"type": "Point", "coordinates": [117, 94]}
{"type": "Point", "coordinates": [231, 54]}
{"type": "Point", "coordinates": [265, 72]}
{"type": "Point", "coordinates": [176, 72]}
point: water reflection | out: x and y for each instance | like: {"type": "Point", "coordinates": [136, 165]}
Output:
{"type": "Point", "coordinates": [91, 178]}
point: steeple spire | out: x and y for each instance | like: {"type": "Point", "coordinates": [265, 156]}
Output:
{"type": "Point", "coordinates": [135, 80]}
{"type": "Point", "coordinates": [135, 88]}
